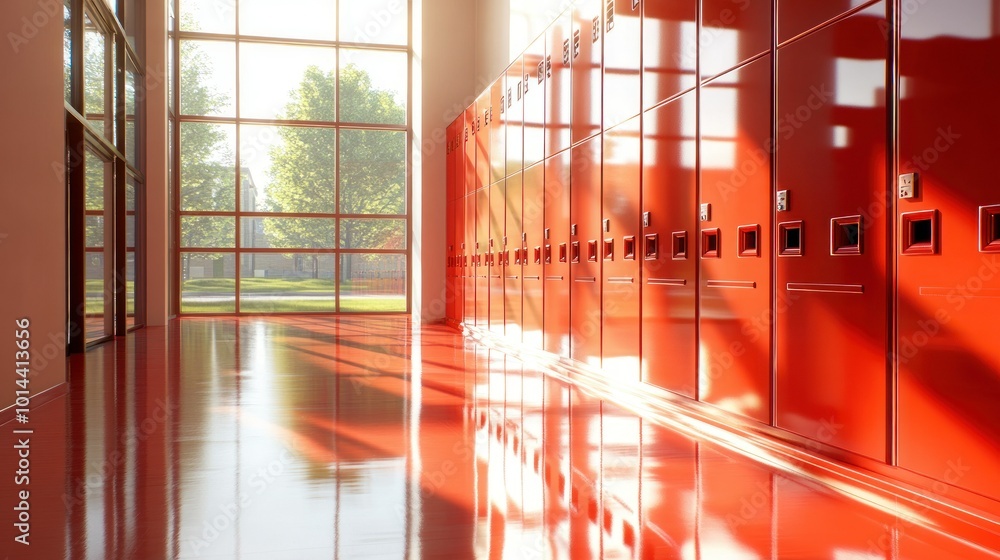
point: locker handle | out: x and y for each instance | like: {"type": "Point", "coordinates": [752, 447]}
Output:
{"type": "Point", "coordinates": [609, 249]}
{"type": "Point", "coordinates": [790, 240]}
{"type": "Point", "coordinates": [576, 44]}
{"type": "Point", "coordinates": [592, 250]}
{"type": "Point", "coordinates": [989, 228]}
{"type": "Point", "coordinates": [575, 256]}
{"type": "Point", "coordinates": [652, 250]}
{"type": "Point", "coordinates": [749, 241]}
{"type": "Point", "coordinates": [548, 254]}
{"type": "Point", "coordinates": [586, 279]}
{"type": "Point", "coordinates": [562, 252]}
{"type": "Point", "coordinates": [532, 277]}
{"type": "Point", "coordinates": [512, 278]}
{"type": "Point", "coordinates": [541, 72]}
{"type": "Point", "coordinates": [847, 235]}
{"type": "Point", "coordinates": [538, 255]}
{"type": "Point", "coordinates": [679, 244]}
{"type": "Point", "coordinates": [711, 243]}
{"type": "Point", "coordinates": [596, 29]}
{"type": "Point", "coordinates": [554, 278]}
{"type": "Point", "coordinates": [919, 232]}
{"type": "Point", "coordinates": [628, 248]}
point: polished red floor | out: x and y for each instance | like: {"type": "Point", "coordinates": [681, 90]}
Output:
{"type": "Point", "coordinates": [367, 438]}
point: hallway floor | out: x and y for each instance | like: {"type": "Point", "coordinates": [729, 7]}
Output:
{"type": "Point", "coordinates": [356, 438]}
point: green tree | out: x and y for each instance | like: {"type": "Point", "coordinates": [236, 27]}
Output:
{"type": "Point", "coordinates": [372, 164]}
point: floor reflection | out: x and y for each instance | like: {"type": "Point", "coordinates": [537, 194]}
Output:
{"type": "Point", "coordinates": [305, 438]}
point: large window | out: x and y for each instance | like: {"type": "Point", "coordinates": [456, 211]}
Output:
{"type": "Point", "coordinates": [290, 132]}
{"type": "Point", "coordinates": [104, 75]}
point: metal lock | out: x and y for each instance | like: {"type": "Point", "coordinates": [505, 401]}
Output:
{"type": "Point", "coordinates": [647, 219]}
{"type": "Point", "coordinates": [908, 186]}
{"type": "Point", "coordinates": [782, 201]}
{"type": "Point", "coordinates": [706, 212]}
{"type": "Point", "coordinates": [607, 226]}
{"type": "Point", "coordinates": [572, 229]}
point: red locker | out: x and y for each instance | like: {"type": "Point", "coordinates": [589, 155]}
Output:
{"type": "Point", "coordinates": [669, 250]}
{"type": "Point", "coordinates": [585, 253]}
{"type": "Point", "coordinates": [947, 250]}
{"type": "Point", "coordinates": [532, 254]}
{"type": "Point", "coordinates": [587, 76]}
{"type": "Point", "coordinates": [513, 116]}
{"type": "Point", "coordinates": [558, 85]}
{"type": "Point", "coordinates": [733, 31]}
{"type": "Point", "coordinates": [470, 260]}
{"type": "Point", "coordinates": [619, 246]}
{"type": "Point", "coordinates": [796, 17]}
{"type": "Point", "coordinates": [669, 49]}
{"type": "Point", "coordinates": [555, 254]}
{"type": "Point", "coordinates": [513, 259]}
{"type": "Point", "coordinates": [534, 102]}
{"type": "Point", "coordinates": [733, 251]}
{"type": "Point", "coordinates": [832, 262]}
{"type": "Point", "coordinates": [483, 131]}
{"type": "Point", "coordinates": [484, 255]}
{"type": "Point", "coordinates": [471, 149]}
{"type": "Point", "coordinates": [622, 61]}
{"type": "Point", "coordinates": [499, 255]}
{"type": "Point", "coordinates": [498, 130]}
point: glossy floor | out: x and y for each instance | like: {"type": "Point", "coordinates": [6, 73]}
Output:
{"type": "Point", "coordinates": [355, 438]}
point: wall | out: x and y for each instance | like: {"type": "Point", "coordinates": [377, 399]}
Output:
{"type": "Point", "coordinates": [443, 80]}
{"type": "Point", "coordinates": [492, 39]}
{"type": "Point", "coordinates": [32, 188]}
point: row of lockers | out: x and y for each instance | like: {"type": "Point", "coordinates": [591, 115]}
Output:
{"type": "Point", "coordinates": [800, 230]}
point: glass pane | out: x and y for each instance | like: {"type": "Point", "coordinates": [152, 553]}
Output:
{"type": "Point", "coordinates": [172, 15]}
{"type": "Point", "coordinates": [95, 230]}
{"type": "Point", "coordinates": [99, 274]}
{"type": "Point", "coordinates": [208, 78]}
{"type": "Point", "coordinates": [208, 283]}
{"type": "Point", "coordinates": [97, 85]}
{"type": "Point", "coordinates": [294, 283]}
{"type": "Point", "coordinates": [373, 234]}
{"type": "Point", "coordinates": [171, 82]}
{"type": "Point", "coordinates": [374, 21]}
{"type": "Point", "coordinates": [288, 169]}
{"type": "Point", "coordinates": [209, 16]}
{"type": "Point", "coordinates": [287, 233]}
{"type": "Point", "coordinates": [134, 26]}
{"type": "Point", "coordinates": [287, 82]}
{"type": "Point", "coordinates": [373, 86]}
{"type": "Point", "coordinates": [131, 217]}
{"type": "Point", "coordinates": [67, 54]}
{"type": "Point", "coordinates": [296, 19]}
{"type": "Point", "coordinates": [131, 123]}
{"type": "Point", "coordinates": [372, 172]}
{"type": "Point", "coordinates": [372, 283]}
{"type": "Point", "coordinates": [208, 167]}
{"type": "Point", "coordinates": [208, 232]}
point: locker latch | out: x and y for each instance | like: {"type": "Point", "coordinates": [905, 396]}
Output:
{"type": "Point", "coordinates": [610, 15]}
{"type": "Point", "coordinates": [635, 5]}
{"type": "Point", "coordinates": [566, 54]}
{"type": "Point", "coordinates": [510, 96]}
{"type": "Point", "coordinates": [541, 71]}
{"type": "Point", "coordinates": [572, 229]}
{"type": "Point", "coordinates": [782, 201]}
{"type": "Point", "coordinates": [647, 219]}
{"type": "Point", "coordinates": [607, 226]}
{"type": "Point", "coordinates": [596, 29]}
{"type": "Point", "coordinates": [706, 212]}
{"type": "Point", "coordinates": [576, 44]}
{"type": "Point", "coordinates": [908, 186]}
{"type": "Point", "coordinates": [548, 64]}
{"type": "Point", "coordinates": [548, 233]}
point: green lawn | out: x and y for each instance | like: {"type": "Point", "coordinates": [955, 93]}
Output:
{"type": "Point", "coordinates": [310, 288]}
{"type": "Point", "coordinates": [309, 305]}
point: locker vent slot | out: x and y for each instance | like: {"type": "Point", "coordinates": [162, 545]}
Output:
{"type": "Point", "coordinates": [538, 255]}
{"type": "Point", "coordinates": [846, 236]}
{"type": "Point", "coordinates": [919, 232]}
{"type": "Point", "coordinates": [592, 250]}
{"type": "Point", "coordinates": [989, 224]}
{"type": "Point", "coordinates": [710, 244]}
{"type": "Point", "coordinates": [652, 250]}
{"type": "Point", "coordinates": [562, 252]}
{"type": "Point", "coordinates": [749, 241]}
{"type": "Point", "coordinates": [628, 248]}
{"type": "Point", "coordinates": [790, 239]}
{"type": "Point", "coordinates": [575, 258]}
{"type": "Point", "coordinates": [548, 254]}
{"type": "Point", "coordinates": [609, 249]}
{"type": "Point", "coordinates": [679, 249]}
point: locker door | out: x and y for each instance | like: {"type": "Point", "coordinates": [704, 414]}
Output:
{"type": "Point", "coordinates": [587, 76]}
{"type": "Point", "coordinates": [469, 262]}
{"type": "Point", "coordinates": [484, 140]}
{"type": "Point", "coordinates": [585, 253]}
{"type": "Point", "coordinates": [949, 248]}
{"type": "Point", "coordinates": [669, 49]}
{"type": "Point", "coordinates": [733, 252]}
{"type": "Point", "coordinates": [555, 254]}
{"type": "Point", "coordinates": [484, 254]}
{"type": "Point", "coordinates": [532, 255]}
{"type": "Point", "coordinates": [795, 18]}
{"type": "Point", "coordinates": [498, 129]}
{"type": "Point", "coordinates": [832, 262]}
{"type": "Point", "coordinates": [471, 149]}
{"type": "Point", "coordinates": [669, 248]}
{"type": "Point", "coordinates": [622, 61]}
{"type": "Point", "coordinates": [457, 293]}
{"type": "Point", "coordinates": [514, 117]}
{"type": "Point", "coordinates": [558, 84]}
{"type": "Point", "coordinates": [513, 259]}
{"type": "Point", "coordinates": [619, 248]}
{"type": "Point", "coordinates": [534, 102]}
{"type": "Point", "coordinates": [733, 32]}
{"type": "Point", "coordinates": [498, 257]}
